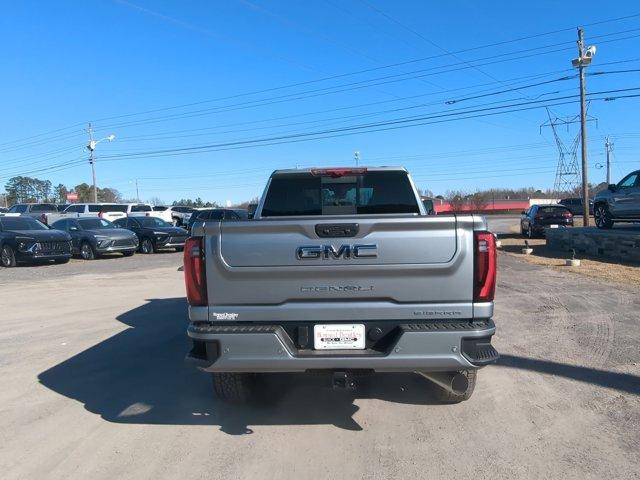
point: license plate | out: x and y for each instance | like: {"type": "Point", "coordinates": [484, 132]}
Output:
{"type": "Point", "coordinates": [338, 337]}
{"type": "Point", "coordinates": [553, 226]}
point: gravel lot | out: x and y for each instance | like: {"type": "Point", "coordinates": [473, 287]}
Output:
{"type": "Point", "coordinates": [93, 385]}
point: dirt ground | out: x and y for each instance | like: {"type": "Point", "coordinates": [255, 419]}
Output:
{"type": "Point", "coordinates": [605, 269]}
{"type": "Point", "coordinates": [93, 384]}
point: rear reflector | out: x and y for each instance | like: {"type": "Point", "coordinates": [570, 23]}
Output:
{"type": "Point", "coordinates": [337, 172]}
{"type": "Point", "coordinates": [195, 278]}
{"type": "Point", "coordinates": [484, 282]}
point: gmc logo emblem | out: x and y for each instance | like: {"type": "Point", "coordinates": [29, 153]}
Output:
{"type": "Point", "coordinates": [327, 252]}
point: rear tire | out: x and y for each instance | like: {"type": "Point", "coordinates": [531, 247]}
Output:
{"type": "Point", "coordinates": [602, 216]}
{"type": "Point", "coordinates": [233, 387]}
{"type": "Point", "coordinates": [128, 254]}
{"type": "Point", "coordinates": [179, 249]}
{"type": "Point", "coordinates": [61, 261]}
{"type": "Point", "coordinates": [7, 257]}
{"type": "Point", "coordinates": [445, 396]}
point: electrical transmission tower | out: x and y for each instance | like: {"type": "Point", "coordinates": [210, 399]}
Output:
{"type": "Point", "coordinates": [568, 173]}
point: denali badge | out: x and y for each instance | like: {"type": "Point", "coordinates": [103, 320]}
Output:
{"type": "Point", "coordinates": [329, 251]}
{"type": "Point", "coordinates": [336, 288]}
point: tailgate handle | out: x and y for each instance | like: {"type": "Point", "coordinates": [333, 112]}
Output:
{"type": "Point", "coordinates": [324, 230]}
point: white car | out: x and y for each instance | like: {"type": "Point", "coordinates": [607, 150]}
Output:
{"type": "Point", "coordinates": [108, 211]}
{"type": "Point", "coordinates": [176, 214]}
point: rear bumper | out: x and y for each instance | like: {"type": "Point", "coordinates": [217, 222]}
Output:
{"type": "Point", "coordinates": [561, 224]}
{"type": "Point", "coordinates": [436, 346]}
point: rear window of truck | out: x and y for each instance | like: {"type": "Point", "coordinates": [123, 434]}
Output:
{"type": "Point", "coordinates": [376, 192]}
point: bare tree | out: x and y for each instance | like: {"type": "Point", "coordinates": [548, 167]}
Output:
{"type": "Point", "coordinates": [479, 201]}
{"type": "Point", "coordinates": [456, 199]}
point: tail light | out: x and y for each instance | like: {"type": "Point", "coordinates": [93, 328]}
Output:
{"type": "Point", "coordinates": [567, 215]}
{"type": "Point", "coordinates": [484, 281]}
{"type": "Point", "coordinates": [43, 218]}
{"type": "Point", "coordinates": [100, 214]}
{"type": "Point", "coordinates": [194, 274]}
{"type": "Point", "coordinates": [337, 172]}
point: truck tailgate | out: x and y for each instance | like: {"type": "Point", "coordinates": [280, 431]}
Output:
{"type": "Point", "coordinates": [412, 267]}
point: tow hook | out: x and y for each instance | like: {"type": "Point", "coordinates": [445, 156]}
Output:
{"type": "Point", "coordinates": [343, 380]}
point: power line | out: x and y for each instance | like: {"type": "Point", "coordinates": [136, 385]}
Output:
{"type": "Point", "coordinates": [389, 123]}
{"type": "Point", "coordinates": [350, 86]}
{"type": "Point", "coordinates": [359, 72]}
{"type": "Point", "coordinates": [467, 113]}
{"type": "Point", "coordinates": [156, 137]}
{"type": "Point", "coordinates": [327, 78]}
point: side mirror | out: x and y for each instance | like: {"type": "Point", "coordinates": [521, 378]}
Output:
{"type": "Point", "coordinates": [523, 212]}
{"type": "Point", "coordinates": [612, 187]}
{"type": "Point", "coordinates": [251, 210]}
{"type": "Point", "coordinates": [73, 229]}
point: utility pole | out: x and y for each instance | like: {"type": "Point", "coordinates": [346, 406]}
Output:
{"type": "Point", "coordinates": [356, 157]}
{"type": "Point", "coordinates": [609, 148]}
{"type": "Point", "coordinates": [584, 59]}
{"type": "Point", "coordinates": [137, 192]}
{"type": "Point", "coordinates": [91, 146]}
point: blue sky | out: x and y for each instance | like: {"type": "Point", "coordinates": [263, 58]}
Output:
{"type": "Point", "coordinates": [166, 76]}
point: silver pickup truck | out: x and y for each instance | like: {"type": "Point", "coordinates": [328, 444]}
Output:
{"type": "Point", "coordinates": [341, 270]}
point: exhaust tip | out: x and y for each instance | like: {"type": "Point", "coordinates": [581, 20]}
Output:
{"type": "Point", "coordinates": [459, 383]}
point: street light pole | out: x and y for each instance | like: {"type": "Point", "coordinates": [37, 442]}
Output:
{"type": "Point", "coordinates": [91, 146]}
{"type": "Point", "coordinates": [609, 146]}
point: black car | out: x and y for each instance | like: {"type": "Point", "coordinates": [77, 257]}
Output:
{"type": "Point", "coordinates": [217, 214]}
{"type": "Point", "coordinates": [93, 236]}
{"type": "Point", "coordinates": [538, 217]}
{"type": "Point", "coordinates": [154, 233]}
{"type": "Point", "coordinates": [575, 205]}
{"type": "Point", "coordinates": [25, 239]}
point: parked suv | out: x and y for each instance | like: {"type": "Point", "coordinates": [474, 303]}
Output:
{"type": "Point", "coordinates": [154, 233]}
{"type": "Point", "coordinates": [576, 205]}
{"type": "Point", "coordinates": [175, 214]}
{"type": "Point", "coordinates": [212, 214]}
{"type": "Point", "coordinates": [619, 203]}
{"type": "Point", "coordinates": [538, 217]}
{"type": "Point", "coordinates": [93, 237]}
{"type": "Point", "coordinates": [25, 239]}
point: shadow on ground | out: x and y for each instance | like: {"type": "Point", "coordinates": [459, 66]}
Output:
{"type": "Point", "coordinates": [138, 376]}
